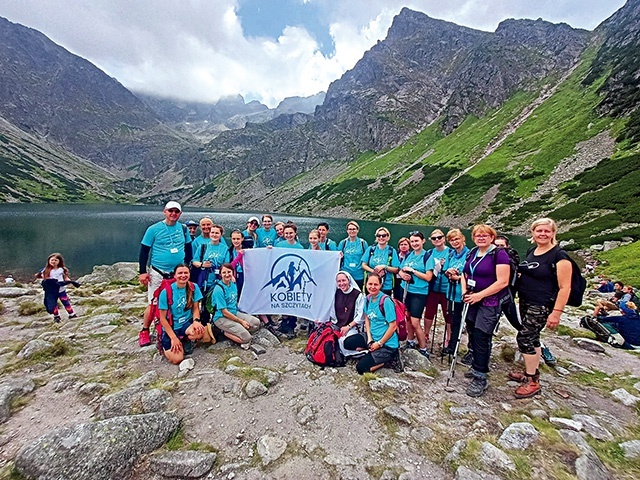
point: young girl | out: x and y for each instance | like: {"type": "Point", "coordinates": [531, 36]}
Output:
{"type": "Point", "coordinates": [55, 270]}
{"type": "Point", "coordinates": [314, 238]}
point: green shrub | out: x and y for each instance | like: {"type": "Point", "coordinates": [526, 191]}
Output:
{"type": "Point", "coordinates": [30, 308]}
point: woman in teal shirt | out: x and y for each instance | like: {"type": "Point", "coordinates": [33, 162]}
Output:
{"type": "Point", "coordinates": [352, 248]}
{"type": "Point", "coordinates": [382, 259]}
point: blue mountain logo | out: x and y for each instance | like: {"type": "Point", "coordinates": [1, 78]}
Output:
{"type": "Point", "coordinates": [290, 271]}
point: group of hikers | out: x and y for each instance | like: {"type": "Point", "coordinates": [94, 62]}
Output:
{"type": "Point", "coordinates": [473, 288]}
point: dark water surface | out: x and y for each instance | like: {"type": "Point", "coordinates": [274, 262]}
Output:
{"type": "Point", "coordinates": [89, 235]}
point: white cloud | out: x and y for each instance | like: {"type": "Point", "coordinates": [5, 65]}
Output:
{"type": "Point", "coordinates": [196, 49]}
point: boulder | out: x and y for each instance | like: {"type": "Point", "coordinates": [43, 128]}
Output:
{"type": "Point", "coordinates": [270, 448]}
{"type": "Point", "coordinates": [255, 389]}
{"type": "Point", "coordinates": [414, 360]}
{"type": "Point", "coordinates": [118, 272]}
{"type": "Point", "coordinates": [493, 457]}
{"type": "Point", "coordinates": [32, 347]}
{"type": "Point", "coordinates": [11, 390]}
{"type": "Point", "coordinates": [625, 397]}
{"type": "Point", "coordinates": [588, 344]}
{"type": "Point", "coordinates": [593, 428]}
{"type": "Point", "coordinates": [104, 450]}
{"type": "Point", "coordinates": [182, 464]}
{"type": "Point", "coordinates": [398, 412]}
{"type": "Point", "coordinates": [134, 400]}
{"type": "Point", "coordinates": [386, 383]}
{"type": "Point", "coordinates": [518, 436]}
{"type": "Point", "coordinates": [631, 449]}
{"type": "Point", "coordinates": [14, 292]}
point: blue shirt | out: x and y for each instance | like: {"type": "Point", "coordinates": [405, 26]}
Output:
{"type": "Point", "coordinates": [375, 256]}
{"type": "Point", "coordinates": [328, 244]}
{"type": "Point", "coordinates": [352, 256]}
{"type": "Point", "coordinates": [266, 238]}
{"type": "Point", "coordinates": [441, 282]}
{"type": "Point", "coordinates": [180, 314]}
{"type": "Point", "coordinates": [416, 262]}
{"type": "Point", "coordinates": [200, 240]}
{"type": "Point", "coordinates": [457, 261]}
{"type": "Point", "coordinates": [285, 244]}
{"type": "Point", "coordinates": [217, 255]}
{"type": "Point", "coordinates": [167, 245]}
{"type": "Point", "coordinates": [225, 297]}
{"type": "Point", "coordinates": [379, 323]}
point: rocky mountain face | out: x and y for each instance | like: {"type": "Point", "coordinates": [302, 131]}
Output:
{"type": "Point", "coordinates": [426, 70]}
{"type": "Point", "coordinates": [49, 92]}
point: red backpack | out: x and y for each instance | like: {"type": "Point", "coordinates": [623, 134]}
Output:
{"type": "Point", "coordinates": [402, 314]}
{"type": "Point", "coordinates": [323, 348]}
{"type": "Point", "coordinates": [155, 310]}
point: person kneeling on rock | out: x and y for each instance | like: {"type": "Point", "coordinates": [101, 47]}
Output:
{"type": "Point", "coordinates": [223, 305]}
{"type": "Point", "coordinates": [180, 316]}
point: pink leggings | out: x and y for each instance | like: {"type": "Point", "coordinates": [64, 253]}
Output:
{"type": "Point", "coordinates": [64, 298]}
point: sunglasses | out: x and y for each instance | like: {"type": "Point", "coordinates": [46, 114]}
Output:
{"type": "Point", "coordinates": [381, 235]}
{"type": "Point", "coordinates": [437, 237]}
{"type": "Point", "coordinates": [414, 233]}
{"type": "Point", "coordinates": [173, 210]}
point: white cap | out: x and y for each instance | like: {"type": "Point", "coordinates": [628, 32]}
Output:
{"type": "Point", "coordinates": [253, 219]}
{"type": "Point", "coordinates": [172, 205]}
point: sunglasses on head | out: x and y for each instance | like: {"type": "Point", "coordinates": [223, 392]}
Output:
{"type": "Point", "coordinates": [437, 237]}
{"type": "Point", "coordinates": [414, 233]}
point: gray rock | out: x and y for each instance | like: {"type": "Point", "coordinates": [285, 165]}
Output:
{"type": "Point", "coordinates": [182, 464]}
{"type": "Point", "coordinates": [155, 400]}
{"type": "Point", "coordinates": [11, 390]}
{"type": "Point", "coordinates": [93, 388]}
{"type": "Point", "coordinates": [566, 423]}
{"type": "Point", "coordinates": [539, 413]}
{"type": "Point", "coordinates": [231, 369]}
{"type": "Point", "coordinates": [422, 434]}
{"type": "Point", "coordinates": [588, 344]}
{"type": "Point", "coordinates": [575, 438]}
{"type": "Point", "coordinates": [270, 376]}
{"type": "Point", "coordinates": [388, 383]}
{"type": "Point", "coordinates": [14, 292]}
{"type": "Point", "coordinates": [63, 383]}
{"type": "Point", "coordinates": [305, 415]}
{"type": "Point", "coordinates": [399, 413]}
{"type": "Point", "coordinates": [463, 473]}
{"type": "Point", "coordinates": [124, 402]}
{"type": "Point", "coordinates": [104, 320]}
{"type": "Point", "coordinates": [145, 380]}
{"type": "Point", "coordinates": [625, 397]}
{"type": "Point", "coordinates": [32, 347]}
{"type": "Point", "coordinates": [518, 436]}
{"type": "Point", "coordinates": [456, 450]}
{"type": "Point", "coordinates": [590, 467]}
{"type": "Point", "coordinates": [264, 336]}
{"type": "Point", "coordinates": [103, 450]}
{"type": "Point", "coordinates": [414, 360]}
{"type": "Point", "coordinates": [631, 449]}
{"type": "Point", "coordinates": [334, 459]}
{"type": "Point", "coordinates": [254, 389]}
{"type": "Point", "coordinates": [562, 371]}
{"type": "Point", "coordinates": [593, 428]}
{"type": "Point", "coordinates": [270, 448]}
{"type": "Point", "coordinates": [187, 364]}
{"type": "Point", "coordinates": [106, 330]}
{"type": "Point", "coordinates": [493, 457]}
{"type": "Point", "coordinates": [118, 272]}
{"type": "Point", "coordinates": [258, 349]}
{"type": "Point", "coordinates": [462, 411]}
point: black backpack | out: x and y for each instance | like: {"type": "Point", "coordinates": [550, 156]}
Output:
{"type": "Point", "coordinates": [578, 283]}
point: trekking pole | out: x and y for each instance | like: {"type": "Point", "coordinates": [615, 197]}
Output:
{"type": "Point", "coordinates": [451, 294]}
{"type": "Point", "coordinates": [465, 309]}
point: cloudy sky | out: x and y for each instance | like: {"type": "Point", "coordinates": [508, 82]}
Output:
{"type": "Point", "coordinates": [263, 49]}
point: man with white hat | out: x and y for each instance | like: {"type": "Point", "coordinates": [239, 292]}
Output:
{"type": "Point", "coordinates": [164, 245]}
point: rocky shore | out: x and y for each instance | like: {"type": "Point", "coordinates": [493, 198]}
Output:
{"type": "Point", "coordinates": [81, 400]}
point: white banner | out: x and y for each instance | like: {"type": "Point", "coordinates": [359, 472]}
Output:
{"type": "Point", "coordinates": [288, 281]}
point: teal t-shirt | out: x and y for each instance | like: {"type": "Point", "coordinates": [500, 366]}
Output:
{"type": "Point", "coordinates": [417, 262]}
{"type": "Point", "coordinates": [457, 261]}
{"type": "Point", "coordinates": [217, 255]}
{"type": "Point", "coordinates": [285, 244]}
{"type": "Point", "coordinates": [375, 256]}
{"type": "Point", "coordinates": [167, 245]}
{"type": "Point", "coordinates": [378, 323]}
{"type": "Point", "coordinates": [266, 238]}
{"type": "Point", "coordinates": [352, 256]}
{"type": "Point", "coordinates": [441, 282]}
{"type": "Point", "coordinates": [180, 314]}
{"type": "Point", "coordinates": [225, 297]}
{"type": "Point", "coordinates": [328, 244]}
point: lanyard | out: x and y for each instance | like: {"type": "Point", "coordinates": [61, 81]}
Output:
{"type": "Point", "coordinates": [472, 267]}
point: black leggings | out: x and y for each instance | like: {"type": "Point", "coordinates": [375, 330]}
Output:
{"type": "Point", "coordinates": [370, 360]}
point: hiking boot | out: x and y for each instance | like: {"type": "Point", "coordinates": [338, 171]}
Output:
{"type": "Point", "coordinates": [396, 363]}
{"type": "Point", "coordinates": [408, 345]}
{"type": "Point", "coordinates": [477, 387]}
{"type": "Point", "coordinates": [517, 376]}
{"type": "Point", "coordinates": [529, 387]}
{"type": "Point", "coordinates": [468, 358]}
{"type": "Point", "coordinates": [143, 338]}
{"type": "Point", "coordinates": [56, 318]}
{"type": "Point", "coordinates": [446, 351]}
{"type": "Point", "coordinates": [548, 357]}
{"type": "Point", "coordinates": [424, 352]}
{"type": "Point", "coordinates": [73, 315]}
{"type": "Point", "coordinates": [471, 373]}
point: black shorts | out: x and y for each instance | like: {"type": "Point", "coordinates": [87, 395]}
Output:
{"type": "Point", "coordinates": [415, 303]}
